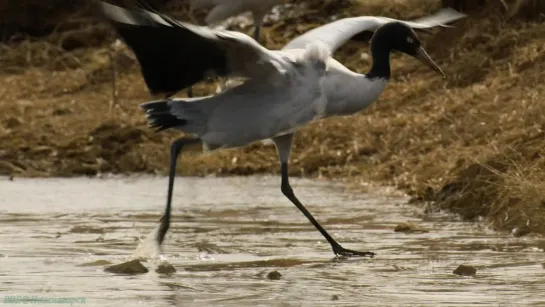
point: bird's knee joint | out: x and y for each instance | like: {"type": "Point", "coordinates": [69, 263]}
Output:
{"type": "Point", "coordinates": [179, 144]}
{"type": "Point", "coordinates": [286, 190]}
{"type": "Point", "coordinates": [176, 148]}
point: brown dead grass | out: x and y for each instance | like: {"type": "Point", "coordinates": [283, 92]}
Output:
{"type": "Point", "coordinates": [471, 143]}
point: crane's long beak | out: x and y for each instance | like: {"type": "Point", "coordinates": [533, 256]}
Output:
{"type": "Point", "coordinates": [423, 56]}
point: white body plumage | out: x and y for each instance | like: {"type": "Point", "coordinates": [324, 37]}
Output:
{"type": "Point", "coordinates": [312, 86]}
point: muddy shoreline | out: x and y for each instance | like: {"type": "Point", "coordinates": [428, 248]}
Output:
{"type": "Point", "coordinates": [471, 143]}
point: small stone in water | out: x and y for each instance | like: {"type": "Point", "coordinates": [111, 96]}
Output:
{"type": "Point", "coordinates": [409, 227]}
{"type": "Point", "coordinates": [334, 297]}
{"type": "Point", "coordinates": [165, 268]}
{"type": "Point", "coordinates": [274, 275]}
{"type": "Point", "coordinates": [465, 270]}
{"type": "Point", "coordinates": [132, 267]}
{"type": "Point", "coordinates": [520, 231]}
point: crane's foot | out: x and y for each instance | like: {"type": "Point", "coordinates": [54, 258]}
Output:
{"type": "Point", "coordinates": [341, 251]}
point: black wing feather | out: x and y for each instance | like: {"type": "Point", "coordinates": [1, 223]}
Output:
{"type": "Point", "coordinates": [172, 57]}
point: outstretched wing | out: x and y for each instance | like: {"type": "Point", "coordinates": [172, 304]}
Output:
{"type": "Point", "coordinates": [337, 33]}
{"type": "Point", "coordinates": [174, 55]}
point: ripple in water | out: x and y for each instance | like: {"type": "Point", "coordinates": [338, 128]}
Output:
{"type": "Point", "coordinates": [228, 234]}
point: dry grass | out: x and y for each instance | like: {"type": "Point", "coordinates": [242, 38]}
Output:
{"type": "Point", "coordinates": [471, 143]}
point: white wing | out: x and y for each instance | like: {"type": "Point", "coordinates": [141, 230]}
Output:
{"type": "Point", "coordinates": [337, 33]}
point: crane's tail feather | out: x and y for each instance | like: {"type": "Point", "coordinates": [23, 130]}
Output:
{"type": "Point", "coordinates": [159, 115]}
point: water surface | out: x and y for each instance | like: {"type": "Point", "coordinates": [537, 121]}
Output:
{"type": "Point", "coordinates": [227, 234]}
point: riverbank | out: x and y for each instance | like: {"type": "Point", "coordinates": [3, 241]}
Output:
{"type": "Point", "coordinates": [471, 143]}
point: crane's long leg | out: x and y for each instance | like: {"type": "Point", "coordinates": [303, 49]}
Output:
{"type": "Point", "coordinates": [283, 145]}
{"type": "Point", "coordinates": [258, 21]}
{"type": "Point", "coordinates": [257, 33]}
{"type": "Point", "coordinates": [190, 92]}
{"type": "Point", "coordinates": [175, 150]}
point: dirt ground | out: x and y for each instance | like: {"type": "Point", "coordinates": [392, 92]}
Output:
{"type": "Point", "coordinates": [471, 143]}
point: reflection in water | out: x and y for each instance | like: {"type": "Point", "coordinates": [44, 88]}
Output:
{"type": "Point", "coordinates": [227, 234]}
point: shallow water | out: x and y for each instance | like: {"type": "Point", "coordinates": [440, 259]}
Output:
{"type": "Point", "coordinates": [227, 234]}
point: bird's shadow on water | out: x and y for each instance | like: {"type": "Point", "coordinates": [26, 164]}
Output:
{"type": "Point", "coordinates": [276, 263]}
{"type": "Point", "coordinates": [344, 259]}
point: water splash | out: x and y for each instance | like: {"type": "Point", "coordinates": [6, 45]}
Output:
{"type": "Point", "coordinates": [148, 248]}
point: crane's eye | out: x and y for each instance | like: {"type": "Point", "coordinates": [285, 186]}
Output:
{"type": "Point", "coordinates": [410, 40]}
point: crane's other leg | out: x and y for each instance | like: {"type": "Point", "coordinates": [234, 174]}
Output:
{"type": "Point", "coordinates": [175, 150]}
{"type": "Point", "coordinates": [283, 145]}
{"type": "Point", "coordinates": [190, 92]}
{"type": "Point", "coordinates": [258, 21]}
{"type": "Point", "coordinates": [257, 32]}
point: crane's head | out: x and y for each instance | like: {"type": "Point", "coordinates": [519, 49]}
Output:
{"type": "Point", "coordinates": [403, 38]}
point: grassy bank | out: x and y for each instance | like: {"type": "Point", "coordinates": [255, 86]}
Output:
{"type": "Point", "coordinates": [471, 143]}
